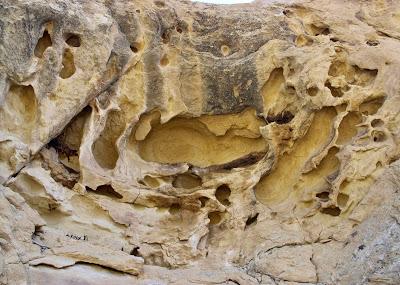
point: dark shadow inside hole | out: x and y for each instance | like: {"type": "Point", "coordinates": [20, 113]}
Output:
{"type": "Point", "coordinates": [203, 201]}
{"type": "Point", "coordinates": [73, 40]}
{"type": "Point", "coordinates": [251, 220]}
{"type": "Point", "coordinates": [334, 211]}
{"type": "Point", "coordinates": [106, 190]}
{"type": "Point", "coordinates": [135, 251]}
{"type": "Point", "coordinates": [323, 196]}
{"type": "Point", "coordinates": [215, 217]}
{"type": "Point", "coordinates": [282, 118]}
{"type": "Point", "coordinates": [372, 43]}
{"type": "Point", "coordinates": [165, 37]}
{"type": "Point", "coordinates": [222, 194]}
{"type": "Point", "coordinates": [175, 208]}
{"type": "Point", "coordinates": [336, 92]}
{"type": "Point", "coordinates": [43, 43]}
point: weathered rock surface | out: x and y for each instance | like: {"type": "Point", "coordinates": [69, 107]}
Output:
{"type": "Point", "coordinates": [170, 142]}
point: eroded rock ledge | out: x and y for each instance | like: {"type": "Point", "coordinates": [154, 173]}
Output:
{"type": "Point", "coordinates": [170, 142]}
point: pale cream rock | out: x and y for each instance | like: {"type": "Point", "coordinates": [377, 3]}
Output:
{"type": "Point", "coordinates": [171, 142]}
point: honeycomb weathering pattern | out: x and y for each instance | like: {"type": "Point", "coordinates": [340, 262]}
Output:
{"type": "Point", "coordinates": [171, 142]}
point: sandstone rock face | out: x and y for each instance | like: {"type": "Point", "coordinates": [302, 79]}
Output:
{"type": "Point", "coordinates": [170, 142]}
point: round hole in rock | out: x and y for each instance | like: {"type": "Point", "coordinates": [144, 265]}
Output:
{"type": "Point", "coordinates": [323, 196]}
{"type": "Point", "coordinates": [73, 40]}
{"type": "Point", "coordinates": [179, 30]}
{"type": "Point", "coordinates": [138, 11]}
{"type": "Point", "coordinates": [187, 181]}
{"type": "Point", "coordinates": [215, 217]}
{"type": "Point", "coordinates": [251, 220]}
{"type": "Point", "coordinates": [378, 136]}
{"type": "Point", "coordinates": [222, 194]}
{"type": "Point", "coordinates": [377, 123]}
{"type": "Point", "coordinates": [136, 47]}
{"type": "Point", "coordinates": [225, 50]}
{"type": "Point", "coordinates": [165, 37]}
{"type": "Point", "coordinates": [203, 201]}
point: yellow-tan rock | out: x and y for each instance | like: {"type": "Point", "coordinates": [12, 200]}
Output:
{"type": "Point", "coordinates": [172, 142]}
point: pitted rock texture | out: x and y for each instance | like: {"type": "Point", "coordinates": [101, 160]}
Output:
{"type": "Point", "coordinates": [171, 142]}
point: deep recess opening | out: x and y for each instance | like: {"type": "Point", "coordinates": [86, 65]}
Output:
{"type": "Point", "coordinates": [73, 40]}
{"type": "Point", "coordinates": [323, 196]}
{"type": "Point", "coordinates": [43, 43]}
{"type": "Point", "coordinates": [135, 251]}
{"type": "Point", "coordinates": [222, 194]}
{"type": "Point", "coordinates": [282, 118]}
{"type": "Point", "coordinates": [106, 190]}
{"type": "Point", "coordinates": [334, 211]}
{"type": "Point", "coordinates": [175, 208]}
{"type": "Point", "coordinates": [203, 201]}
{"type": "Point", "coordinates": [251, 220]}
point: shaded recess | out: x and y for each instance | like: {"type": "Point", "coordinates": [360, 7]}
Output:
{"type": "Point", "coordinates": [106, 190]}
{"type": "Point", "coordinates": [202, 141]}
{"type": "Point", "coordinates": [68, 66]}
{"type": "Point", "coordinates": [187, 181]}
{"type": "Point", "coordinates": [272, 87]}
{"type": "Point", "coordinates": [372, 106]}
{"type": "Point", "coordinates": [104, 148]}
{"type": "Point", "coordinates": [275, 187]}
{"type": "Point", "coordinates": [73, 40]}
{"type": "Point", "coordinates": [19, 111]}
{"type": "Point", "coordinates": [67, 144]}
{"type": "Point", "coordinates": [348, 127]}
{"type": "Point", "coordinates": [222, 194]}
{"type": "Point", "coordinates": [43, 43]}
